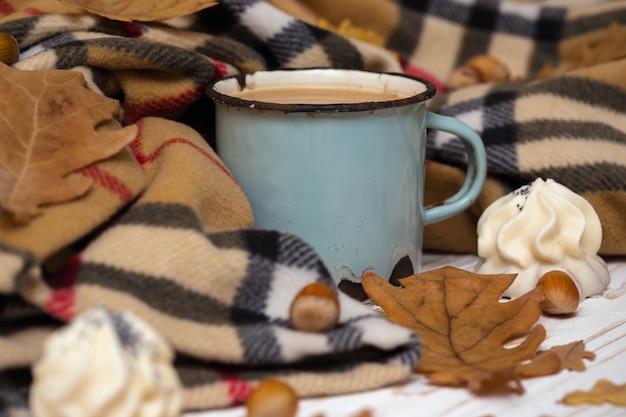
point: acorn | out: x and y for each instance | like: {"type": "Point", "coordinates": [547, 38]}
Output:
{"type": "Point", "coordinates": [272, 398]}
{"type": "Point", "coordinates": [9, 52]}
{"type": "Point", "coordinates": [315, 308]}
{"type": "Point", "coordinates": [479, 69]}
{"type": "Point", "coordinates": [561, 293]}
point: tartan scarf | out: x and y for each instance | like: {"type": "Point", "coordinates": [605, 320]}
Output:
{"type": "Point", "coordinates": [176, 248]}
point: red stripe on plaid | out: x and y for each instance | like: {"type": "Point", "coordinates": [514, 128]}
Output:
{"type": "Point", "coordinates": [165, 106]}
{"type": "Point", "coordinates": [143, 159]}
{"type": "Point", "coordinates": [109, 182]}
{"type": "Point", "coordinates": [62, 302]}
{"type": "Point", "coordinates": [33, 11]}
{"type": "Point", "coordinates": [238, 388]}
{"type": "Point", "coordinates": [221, 69]}
{"type": "Point", "coordinates": [132, 30]}
{"type": "Point", "coordinates": [5, 8]}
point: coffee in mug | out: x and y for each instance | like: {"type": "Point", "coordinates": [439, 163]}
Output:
{"type": "Point", "coordinates": [315, 95]}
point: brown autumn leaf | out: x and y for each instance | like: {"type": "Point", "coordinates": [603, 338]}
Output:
{"type": "Point", "coordinates": [52, 126]}
{"type": "Point", "coordinates": [556, 359]}
{"type": "Point", "coordinates": [542, 364]}
{"type": "Point", "coordinates": [463, 324]}
{"type": "Point", "coordinates": [141, 10]}
{"type": "Point", "coordinates": [572, 355]}
{"type": "Point", "coordinates": [604, 391]}
{"type": "Point", "coordinates": [362, 413]}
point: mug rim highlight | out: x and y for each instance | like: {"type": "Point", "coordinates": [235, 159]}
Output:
{"type": "Point", "coordinates": [242, 81]}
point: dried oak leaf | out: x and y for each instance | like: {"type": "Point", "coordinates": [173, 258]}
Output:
{"type": "Point", "coordinates": [463, 324]}
{"type": "Point", "coordinates": [572, 355]}
{"type": "Point", "coordinates": [604, 391]}
{"type": "Point", "coordinates": [542, 364]}
{"type": "Point", "coordinates": [141, 10]}
{"type": "Point", "coordinates": [561, 357]}
{"type": "Point", "coordinates": [52, 126]}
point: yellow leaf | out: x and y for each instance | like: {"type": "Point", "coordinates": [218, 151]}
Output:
{"type": "Point", "coordinates": [346, 28]}
{"type": "Point", "coordinates": [603, 391]}
{"type": "Point", "coordinates": [52, 126]}
{"type": "Point", "coordinates": [142, 10]}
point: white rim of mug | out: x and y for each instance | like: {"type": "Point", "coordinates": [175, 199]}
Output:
{"type": "Point", "coordinates": [429, 92]}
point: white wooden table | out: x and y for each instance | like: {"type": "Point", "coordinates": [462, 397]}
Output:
{"type": "Point", "coordinates": [599, 322]}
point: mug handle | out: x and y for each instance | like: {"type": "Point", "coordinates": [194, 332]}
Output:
{"type": "Point", "coordinates": [476, 168]}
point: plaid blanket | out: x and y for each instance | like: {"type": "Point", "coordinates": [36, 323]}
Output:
{"type": "Point", "coordinates": [166, 232]}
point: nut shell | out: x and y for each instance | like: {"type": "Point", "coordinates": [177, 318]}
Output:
{"type": "Point", "coordinates": [272, 398]}
{"type": "Point", "coordinates": [490, 69]}
{"type": "Point", "coordinates": [315, 308]}
{"type": "Point", "coordinates": [479, 69]}
{"type": "Point", "coordinates": [9, 52]}
{"type": "Point", "coordinates": [561, 294]}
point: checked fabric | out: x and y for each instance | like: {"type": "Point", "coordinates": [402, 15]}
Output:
{"type": "Point", "coordinates": [167, 233]}
{"type": "Point", "coordinates": [181, 258]}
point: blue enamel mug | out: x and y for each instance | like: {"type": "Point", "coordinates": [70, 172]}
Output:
{"type": "Point", "coordinates": [337, 157]}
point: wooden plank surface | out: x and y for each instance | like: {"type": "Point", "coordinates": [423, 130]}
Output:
{"type": "Point", "coordinates": [600, 322]}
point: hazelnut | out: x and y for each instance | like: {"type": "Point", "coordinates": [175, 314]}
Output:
{"type": "Point", "coordinates": [272, 398]}
{"type": "Point", "coordinates": [9, 52]}
{"type": "Point", "coordinates": [480, 69]}
{"type": "Point", "coordinates": [315, 308]}
{"type": "Point", "coordinates": [561, 293]}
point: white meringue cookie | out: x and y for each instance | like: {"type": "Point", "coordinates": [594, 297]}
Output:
{"type": "Point", "coordinates": [541, 227]}
{"type": "Point", "coordinates": [105, 364]}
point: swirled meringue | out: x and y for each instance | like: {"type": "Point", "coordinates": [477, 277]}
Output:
{"type": "Point", "coordinates": [541, 227]}
{"type": "Point", "coordinates": [105, 364]}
